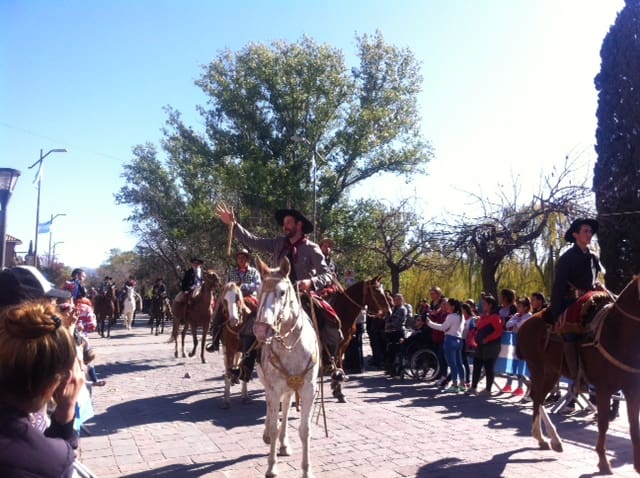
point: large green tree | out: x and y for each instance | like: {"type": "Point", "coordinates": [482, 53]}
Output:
{"type": "Point", "coordinates": [282, 122]}
{"type": "Point", "coordinates": [616, 180]}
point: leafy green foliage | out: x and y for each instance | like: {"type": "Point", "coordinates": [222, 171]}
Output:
{"type": "Point", "coordinates": [616, 181]}
{"type": "Point", "coordinates": [286, 125]}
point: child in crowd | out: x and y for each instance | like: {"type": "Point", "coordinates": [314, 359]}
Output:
{"type": "Point", "coordinates": [513, 324]}
{"type": "Point", "coordinates": [470, 319]}
{"type": "Point", "coordinates": [507, 304]}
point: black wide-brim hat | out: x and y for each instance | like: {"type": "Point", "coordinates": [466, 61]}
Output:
{"type": "Point", "coordinates": [195, 259]}
{"type": "Point", "coordinates": [575, 227]}
{"type": "Point", "coordinates": [307, 226]}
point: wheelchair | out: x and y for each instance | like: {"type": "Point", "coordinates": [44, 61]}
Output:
{"type": "Point", "coordinates": [418, 361]}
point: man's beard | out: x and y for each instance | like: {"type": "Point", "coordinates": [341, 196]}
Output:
{"type": "Point", "coordinates": [289, 233]}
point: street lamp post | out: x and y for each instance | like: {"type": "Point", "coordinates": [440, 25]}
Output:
{"type": "Point", "coordinates": [54, 251]}
{"type": "Point", "coordinates": [51, 222]}
{"type": "Point", "coordinates": [299, 139]}
{"type": "Point", "coordinates": [39, 163]}
{"type": "Point", "coordinates": [8, 180]}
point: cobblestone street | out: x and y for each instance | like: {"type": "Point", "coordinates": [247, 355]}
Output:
{"type": "Point", "coordinates": [159, 416]}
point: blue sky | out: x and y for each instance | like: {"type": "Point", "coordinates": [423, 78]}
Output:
{"type": "Point", "coordinates": [508, 90]}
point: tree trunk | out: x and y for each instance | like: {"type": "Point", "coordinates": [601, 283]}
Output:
{"type": "Point", "coordinates": [395, 279]}
{"type": "Point", "coordinates": [488, 270]}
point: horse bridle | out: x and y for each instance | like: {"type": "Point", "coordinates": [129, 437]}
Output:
{"type": "Point", "coordinates": [277, 325]}
{"type": "Point", "coordinates": [367, 288]}
{"type": "Point", "coordinates": [239, 304]}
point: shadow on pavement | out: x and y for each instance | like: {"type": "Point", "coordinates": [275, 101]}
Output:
{"type": "Point", "coordinates": [116, 368]}
{"type": "Point", "coordinates": [190, 470]}
{"type": "Point", "coordinates": [499, 414]}
{"type": "Point", "coordinates": [179, 407]}
{"type": "Point", "coordinates": [494, 466]}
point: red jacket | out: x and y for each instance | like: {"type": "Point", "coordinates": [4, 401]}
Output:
{"type": "Point", "coordinates": [492, 321]}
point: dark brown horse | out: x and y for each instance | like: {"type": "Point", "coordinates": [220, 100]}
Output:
{"type": "Point", "coordinates": [105, 306]}
{"type": "Point", "coordinates": [348, 305]}
{"type": "Point", "coordinates": [196, 312]}
{"type": "Point", "coordinates": [610, 361]}
{"type": "Point", "coordinates": [160, 311]}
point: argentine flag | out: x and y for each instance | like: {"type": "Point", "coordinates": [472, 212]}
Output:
{"type": "Point", "coordinates": [44, 227]}
{"type": "Point", "coordinates": [508, 363]}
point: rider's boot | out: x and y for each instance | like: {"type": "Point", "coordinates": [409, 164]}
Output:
{"type": "Point", "coordinates": [214, 346]}
{"type": "Point", "coordinates": [570, 350]}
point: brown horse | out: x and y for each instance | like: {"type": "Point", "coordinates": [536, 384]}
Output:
{"type": "Point", "coordinates": [610, 361]}
{"type": "Point", "coordinates": [160, 311]}
{"type": "Point", "coordinates": [348, 304]}
{"type": "Point", "coordinates": [105, 306]}
{"type": "Point", "coordinates": [194, 313]}
{"type": "Point", "coordinates": [236, 313]}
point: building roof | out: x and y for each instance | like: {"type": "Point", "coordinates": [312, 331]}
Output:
{"type": "Point", "coordinates": [10, 238]}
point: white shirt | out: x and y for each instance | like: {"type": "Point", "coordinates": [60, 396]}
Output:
{"type": "Point", "coordinates": [453, 325]}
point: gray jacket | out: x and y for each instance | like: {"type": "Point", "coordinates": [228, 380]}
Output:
{"type": "Point", "coordinates": [309, 261]}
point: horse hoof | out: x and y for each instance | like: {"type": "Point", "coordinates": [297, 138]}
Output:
{"type": "Point", "coordinates": [246, 400]}
{"type": "Point", "coordinates": [544, 445]}
{"type": "Point", "coordinates": [557, 447]}
{"type": "Point", "coordinates": [341, 399]}
{"type": "Point", "coordinates": [605, 468]}
{"type": "Point", "coordinates": [204, 360]}
{"type": "Point", "coordinates": [284, 451]}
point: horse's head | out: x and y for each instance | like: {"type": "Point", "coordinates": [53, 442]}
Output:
{"type": "Point", "coordinates": [232, 303]}
{"type": "Point", "coordinates": [211, 278]}
{"type": "Point", "coordinates": [372, 295]}
{"type": "Point", "coordinates": [277, 302]}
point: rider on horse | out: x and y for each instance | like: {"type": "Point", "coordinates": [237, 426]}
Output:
{"type": "Point", "coordinates": [576, 279]}
{"type": "Point", "coordinates": [248, 278]}
{"type": "Point", "coordinates": [159, 289]}
{"type": "Point", "coordinates": [191, 280]}
{"type": "Point", "coordinates": [309, 271]}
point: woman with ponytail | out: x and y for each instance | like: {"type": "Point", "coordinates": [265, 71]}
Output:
{"type": "Point", "coordinates": [38, 363]}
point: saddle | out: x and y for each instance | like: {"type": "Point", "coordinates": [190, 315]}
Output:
{"type": "Point", "coordinates": [578, 318]}
{"type": "Point", "coordinates": [324, 309]}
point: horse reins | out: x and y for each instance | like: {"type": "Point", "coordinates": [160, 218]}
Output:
{"type": "Point", "coordinates": [596, 341]}
{"type": "Point", "coordinates": [365, 290]}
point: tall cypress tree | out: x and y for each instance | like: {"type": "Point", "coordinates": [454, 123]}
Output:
{"type": "Point", "coordinates": [616, 181]}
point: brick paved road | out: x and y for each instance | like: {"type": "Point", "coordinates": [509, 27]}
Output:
{"type": "Point", "coordinates": [161, 417]}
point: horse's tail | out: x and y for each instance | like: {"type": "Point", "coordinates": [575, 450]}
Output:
{"type": "Point", "coordinates": [175, 330]}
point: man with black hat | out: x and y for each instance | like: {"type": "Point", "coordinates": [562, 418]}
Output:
{"type": "Point", "coordinates": [106, 286]}
{"type": "Point", "coordinates": [191, 280]}
{"type": "Point", "coordinates": [309, 270]}
{"type": "Point", "coordinates": [576, 274]}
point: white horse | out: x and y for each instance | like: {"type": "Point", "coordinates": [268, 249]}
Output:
{"type": "Point", "coordinates": [289, 361]}
{"type": "Point", "coordinates": [129, 306]}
